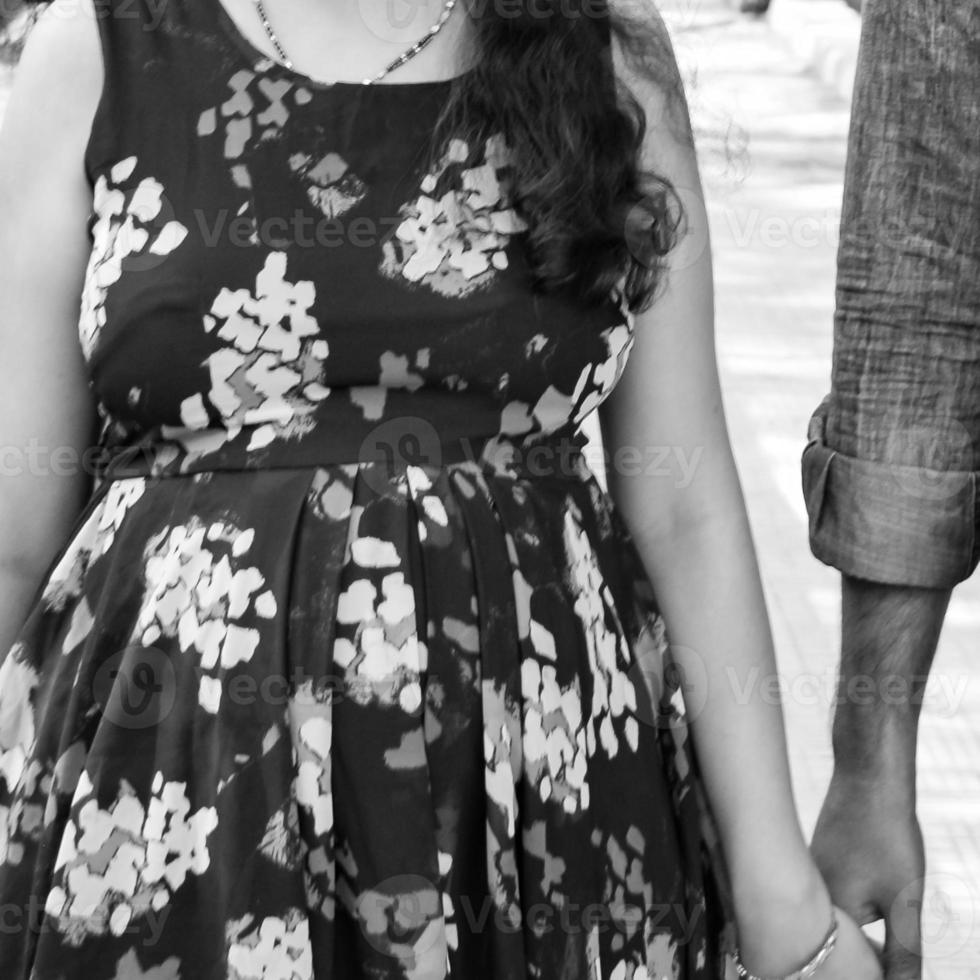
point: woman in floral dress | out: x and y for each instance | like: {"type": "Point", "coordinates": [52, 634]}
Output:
{"type": "Point", "coordinates": [326, 654]}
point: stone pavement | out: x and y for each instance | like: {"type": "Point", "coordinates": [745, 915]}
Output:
{"type": "Point", "coordinates": [772, 129]}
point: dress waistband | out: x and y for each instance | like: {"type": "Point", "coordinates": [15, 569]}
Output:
{"type": "Point", "coordinates": [391, 445]}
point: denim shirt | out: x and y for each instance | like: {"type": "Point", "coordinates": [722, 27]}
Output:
{"type": "Point", "coordinates": [890, 469]}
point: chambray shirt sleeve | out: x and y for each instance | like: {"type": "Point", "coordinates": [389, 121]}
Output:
{"type": "Point", "coordinates": [891, 467]}
{"type": "Point", "coordinates": [888, 522]}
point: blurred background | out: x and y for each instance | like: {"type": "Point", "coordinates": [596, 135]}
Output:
{"type": "Point", "coordinates": [769, 86]}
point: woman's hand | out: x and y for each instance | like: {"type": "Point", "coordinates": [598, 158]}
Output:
{"type": "Point", "coordinates": [853, 956]}
{"type": "Point", "coordinates": [778, 933]}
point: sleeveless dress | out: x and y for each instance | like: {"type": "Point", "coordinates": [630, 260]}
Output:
{"type": "Point", "coordinates": [350, 667]}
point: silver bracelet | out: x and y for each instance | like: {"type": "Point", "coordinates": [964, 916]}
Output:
{"type": "Point", "coordinates": [808, 969]}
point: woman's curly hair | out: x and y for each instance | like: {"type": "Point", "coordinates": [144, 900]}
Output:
{"type": "Point", "coordinates": [543, 77]}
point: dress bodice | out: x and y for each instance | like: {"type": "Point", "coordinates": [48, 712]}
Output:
{"type": "Point", "coordinates": [275, 273]}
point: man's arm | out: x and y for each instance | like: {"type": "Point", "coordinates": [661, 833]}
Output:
{"type": "Point", "coordinates": [867, 842]}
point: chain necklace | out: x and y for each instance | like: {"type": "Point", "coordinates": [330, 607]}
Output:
{"type": "Point", "coordinates": [400, 60]}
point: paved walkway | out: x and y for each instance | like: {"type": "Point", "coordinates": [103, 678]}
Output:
{"type": "Point", "coordinates": [772, 140]}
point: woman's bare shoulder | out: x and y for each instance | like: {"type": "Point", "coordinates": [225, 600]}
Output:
{"type": "Point", "coordinates": [644, 62]}
{"type": "Point", "coordinates": [58, 79]}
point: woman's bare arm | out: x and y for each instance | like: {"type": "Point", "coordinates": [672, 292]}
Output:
{"type": "Point", "coordinates": [692, 531]}
{"type": "Point", "coordinates": [47, 414]}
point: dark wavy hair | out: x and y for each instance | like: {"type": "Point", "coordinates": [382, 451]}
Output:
{"type": "Point", "coordinates": [543, 77]}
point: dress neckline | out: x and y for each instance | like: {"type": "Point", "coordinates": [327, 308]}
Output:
{"type": "Point", "coordinates": [259, 58]}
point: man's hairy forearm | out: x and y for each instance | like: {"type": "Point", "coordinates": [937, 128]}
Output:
{"type": "Point", "coordinates": [889, 638]}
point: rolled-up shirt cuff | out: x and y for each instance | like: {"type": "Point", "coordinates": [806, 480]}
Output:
{"type": "Point", "coordinates": [885, 522]}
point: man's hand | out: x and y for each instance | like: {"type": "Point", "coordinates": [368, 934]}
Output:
{"type": "Point", "coordinates": [871, 854]}
{"type": "Point", "coordinates": [867, 843]}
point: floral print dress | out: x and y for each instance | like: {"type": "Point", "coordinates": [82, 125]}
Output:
{"type": "Point", "coordinates": [349, 667]}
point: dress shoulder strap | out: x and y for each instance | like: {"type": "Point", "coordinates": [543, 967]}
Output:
{"type": "Point", "coordinates": [156, 55]}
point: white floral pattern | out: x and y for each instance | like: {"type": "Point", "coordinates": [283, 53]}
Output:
{"type": "Point", "coordinates": [93, 540]}
{"type": "Point", "coordinates": [202, 599]}
{"type": "Point", "coordinates": [257, 109]}
{"type": "Point", "coordinates": [384, 660]}
{"type": "Point", "coordinates": [129, 222]}
{"type": "Point", "coordinates": [115, 865]}
{"type": "Point", "coordinates": [613, 693]}
{"type": "Point", "coordinates": [269, 377]}
{"type": "Point", "coordinates": [277, 948]}
{"type": "Point", "coordinates": [330, 184]}
{"type": "Point", "coordinates": [18, 682]}
{"type": "Point", "coordinates": [456, 242]}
